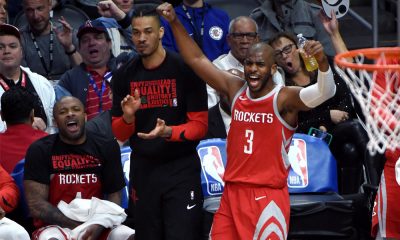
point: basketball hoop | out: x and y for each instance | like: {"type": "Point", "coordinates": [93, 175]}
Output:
{"type": "Point", "coordinates": [374, 79]}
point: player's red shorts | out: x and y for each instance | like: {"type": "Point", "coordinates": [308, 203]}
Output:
{"type": "Point", "coordinates": [248, 212]}
{"type": "Point", "coordinates": [386, 214]}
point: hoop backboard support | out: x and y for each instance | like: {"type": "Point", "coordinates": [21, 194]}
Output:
{"type": "Point", "coordinates": [374, 80]}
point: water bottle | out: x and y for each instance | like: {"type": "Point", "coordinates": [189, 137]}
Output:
{"type": "Point", "coordinates": [309, 61]}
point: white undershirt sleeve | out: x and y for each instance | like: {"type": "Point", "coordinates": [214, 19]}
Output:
{"type": "Point", "coordinates": [319, 92]}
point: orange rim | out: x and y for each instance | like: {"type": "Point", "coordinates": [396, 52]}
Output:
{"type": "Point", "coordinates": [369, 53]}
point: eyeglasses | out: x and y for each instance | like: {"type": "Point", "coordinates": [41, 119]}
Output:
{"type": "Point", "coordinates": [285, 50]}
{"type": "Point", "coordinates": [240, 36]}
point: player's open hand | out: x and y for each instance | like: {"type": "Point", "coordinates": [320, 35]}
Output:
{"type": "Point", "coordinates": [161, 130]}
{"type": "Point", "coordinates": [167, 11]}
{"type": "Point", "coordinates": [130, 104]}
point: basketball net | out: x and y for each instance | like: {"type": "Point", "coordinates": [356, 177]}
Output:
{"type": "Point", "coordinates": [374, 79]}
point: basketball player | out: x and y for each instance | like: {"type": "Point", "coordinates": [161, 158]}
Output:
{"type": "Point", "coordinates": [255, 203]}
{"type": "Point", "coordinates": [386, 213]}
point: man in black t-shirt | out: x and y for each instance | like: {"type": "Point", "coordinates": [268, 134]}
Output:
{"type": "Point", "coordinates": [161, 106]}
{"type": "Point", "coordinates": [69, 165]}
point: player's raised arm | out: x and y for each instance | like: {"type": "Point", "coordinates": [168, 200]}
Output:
{"type": "Point", "coordinates": [193, 56]}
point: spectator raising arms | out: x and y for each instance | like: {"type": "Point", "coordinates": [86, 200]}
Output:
{"type": "Point", "coordinates": [94, 74]}
{"type": "Point", "coordinates": [47, 50]}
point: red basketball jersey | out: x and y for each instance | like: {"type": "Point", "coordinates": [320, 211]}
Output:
{"type": "Point", "coordinates": [258, 141]}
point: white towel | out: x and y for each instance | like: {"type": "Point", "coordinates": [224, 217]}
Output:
{"type": "Point", "coordinates": [92, 211]}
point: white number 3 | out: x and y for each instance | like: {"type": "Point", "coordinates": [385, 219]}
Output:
{"type": "Point", "coordinates": [248, 149]}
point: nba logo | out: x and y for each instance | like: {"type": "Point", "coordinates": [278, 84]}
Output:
{"type": "Point", "coordinates": [298, 174]}
{"type": "Point", "coordinates": [213, 169]}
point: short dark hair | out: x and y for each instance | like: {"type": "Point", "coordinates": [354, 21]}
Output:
{"type": "Point", "coordinates": [146, 10]}
{"type": "Point", "coordinates": [16, 105]}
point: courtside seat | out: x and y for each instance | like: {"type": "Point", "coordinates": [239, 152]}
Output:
{"type": "Point", "coordinates": [74, 16]}
{"type": "Point", "coordinates": [321, 216]}
{"type": "Point", "coordinates": [126, 162]}
{"type": "Point", "coordinates": [21, 213]}
{"type": "Point", "coordinates": [313, 167]}
{"type": "Point", "coordinates": [18, 175]}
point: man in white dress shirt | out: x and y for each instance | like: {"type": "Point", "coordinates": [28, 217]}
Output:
{"type": "Point", "coordinates": [243, 32]}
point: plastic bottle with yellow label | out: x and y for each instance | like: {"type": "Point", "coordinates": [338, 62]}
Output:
{"type": "Point", "coordinates": [309, 61]}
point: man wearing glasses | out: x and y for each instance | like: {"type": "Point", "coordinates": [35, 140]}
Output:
{"type": "Point", "coordinates": [243, 32]}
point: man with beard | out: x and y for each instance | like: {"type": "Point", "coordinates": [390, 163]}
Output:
{"type": "Point", "coordinates": [47, 50]}
{"type": "Point", "coordinates": [255, 203]}
{"type": "Point", "coordinates": [68, 165]}
{"type": "Point", "coordinates": [161, 106]}
{"type": "Point", "coordinates": [90, 81]}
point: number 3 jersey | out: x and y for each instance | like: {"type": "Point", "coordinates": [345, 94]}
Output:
{"type": "Point", "coordinates": [258, 141]}
{"type": "Point", "coordinates": [91, 169]}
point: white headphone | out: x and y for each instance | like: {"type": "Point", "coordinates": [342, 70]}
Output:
{"type": "Point", "coordinates": [340, 7]}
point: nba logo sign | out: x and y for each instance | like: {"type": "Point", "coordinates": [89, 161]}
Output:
{"type": "Point", "coordinates": [298, 174]}
{"type": "Point", "coordinates": [213, 169]}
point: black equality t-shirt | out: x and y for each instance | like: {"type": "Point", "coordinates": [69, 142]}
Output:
{"type": "Point", "coordinates": [91, 169]}
{"type": "Point", "coordinates": [168, 92]}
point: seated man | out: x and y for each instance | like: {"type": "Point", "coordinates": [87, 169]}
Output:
{"type": "Point", "coordinates": [48, 51]}
{"type": "Point", "coordinates": [9, 196]}
{"type": "Point", "coordinates": [13, 74]}
{"type": "Point", "coordinates": [72, 164]}
{"type": "Point", "coordinates": [17, 112]}
{"type": "Point", "coordinates": [94, 74]}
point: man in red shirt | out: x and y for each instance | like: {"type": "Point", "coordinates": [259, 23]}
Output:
{"type": "Point", "coordinates": [17, 112]}
{"type": "Point", "coordinates": [90, 81]}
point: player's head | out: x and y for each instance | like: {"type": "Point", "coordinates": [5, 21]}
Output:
{"type": "Point", "coordinates": [17, 106]}
{"type": "Point", "coordinates": [284, 45]}
{"type": "Point", "coordinates": [146, 30]}
{"type": "Point", "coordinates": [69, 114]}
{"type": "Point", "coordinates": [259, 66]}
